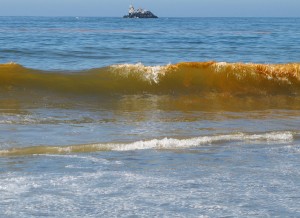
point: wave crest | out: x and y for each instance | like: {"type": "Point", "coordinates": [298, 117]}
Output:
{"type": "Point", "coordinates": [159, 144]}
{"type": "Point", "coordinates": [186, 77]}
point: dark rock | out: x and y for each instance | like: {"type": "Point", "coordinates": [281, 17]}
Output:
{"type": "Point", "coordinates": [140, 13]}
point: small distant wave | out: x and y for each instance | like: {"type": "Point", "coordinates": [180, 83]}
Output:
{"type": "Point", "coordinates": [186, 77]}
{"type": "Point", "coordinates": [159, 144]}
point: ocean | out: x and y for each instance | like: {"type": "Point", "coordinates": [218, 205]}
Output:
{"type": "Point", "coordinates": [168, 117]}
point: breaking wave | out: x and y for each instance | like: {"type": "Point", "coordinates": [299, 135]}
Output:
{"type": "Point", "coordinates": [186, 77]}
{"type": "Point", "coordinates": [159, 144]}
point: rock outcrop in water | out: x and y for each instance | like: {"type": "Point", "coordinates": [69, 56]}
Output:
{"type": "Point", "coordinates": [140, 13]}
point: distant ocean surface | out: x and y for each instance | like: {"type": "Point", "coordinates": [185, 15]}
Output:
{"type": "Point", "coordinates": [168, 117]}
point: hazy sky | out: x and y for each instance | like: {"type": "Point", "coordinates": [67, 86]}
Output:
{"type": "Point", "coordinates": [163, 8]}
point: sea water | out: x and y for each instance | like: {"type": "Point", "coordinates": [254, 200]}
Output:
{"type": "Point", "coordinates": [168, 117]}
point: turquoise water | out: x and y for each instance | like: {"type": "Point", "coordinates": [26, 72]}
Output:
{"type": "Point", "coordinates": [98, 119]}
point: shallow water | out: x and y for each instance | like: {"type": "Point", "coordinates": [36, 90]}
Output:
{"type": "Point", "coordinates": [86, 130]}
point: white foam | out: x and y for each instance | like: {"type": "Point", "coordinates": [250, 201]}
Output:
{"type": "Point", "coordinates": [171, 143]}
{"type": "Point", "coordinates": [165, 143]}
{"type": "Point", "coordinates": [149, 73]}
{"type": "Point", "coordinates": [219, 66]}
{"type": "Point", "coordinates": [272, 136]}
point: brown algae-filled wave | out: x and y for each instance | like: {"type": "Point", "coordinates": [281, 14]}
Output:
{"type": "Point", "coordinates": [186, 77]}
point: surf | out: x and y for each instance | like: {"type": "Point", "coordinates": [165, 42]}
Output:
{"type": "Point", "coordinates": [158, 144]}
{"type": "Point", "coordinates": [181, 78]}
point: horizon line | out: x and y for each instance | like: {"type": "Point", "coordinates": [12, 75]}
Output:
{"type": "Point", "coordinates": [150, 18]}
